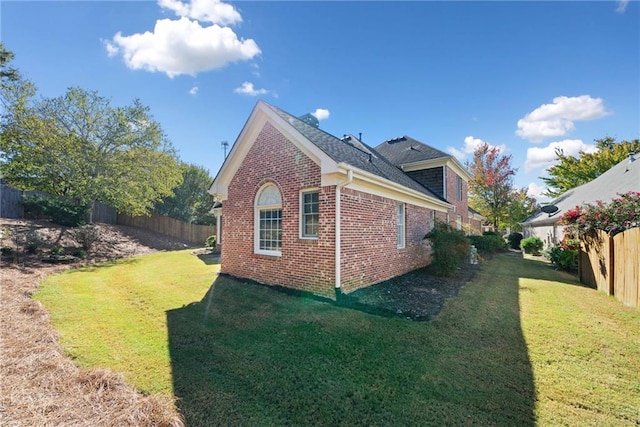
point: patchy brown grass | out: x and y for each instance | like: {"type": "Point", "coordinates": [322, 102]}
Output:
{"type": "Point", "coordinates": [39, 385]}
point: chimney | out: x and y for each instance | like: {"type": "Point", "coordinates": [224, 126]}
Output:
{"type": "Point", "coordinates": [632, 158]}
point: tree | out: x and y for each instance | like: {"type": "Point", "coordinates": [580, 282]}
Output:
{"type": "Point", "coordinates": [191, 201]}
{"type": "Point", "coordinates": [491, 184]}
{"type": "Point", "coordinates": [79, 147]}
{"type": "Point", "coordinates": [519, 207]}
{"type": "Point", "coordinates": [571, 171]}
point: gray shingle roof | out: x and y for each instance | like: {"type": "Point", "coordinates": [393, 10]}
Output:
{"type": "Point", "coordinates": [620, 179]}
{"type": "Point", "coordinates": [353, 152]}
{"type": "Point", "coordinates": [404, 150]}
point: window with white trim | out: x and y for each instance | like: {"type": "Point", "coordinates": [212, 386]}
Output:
{"type": "Point", "coordinates": [458, 222]}
{"type": "Point", "coordinates": [309, 214]}
{"type": "Point", "coordinates": [400, 222]}
{"type": "Point", "coordinates": [268, 221]}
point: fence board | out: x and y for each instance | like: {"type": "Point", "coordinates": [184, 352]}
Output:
{"type": "Point", "coordinates": [192, 233]}
{"type": "Point", "coordinates": [627, 267]}
{"type": "Point", "coordinates": [595, 257]}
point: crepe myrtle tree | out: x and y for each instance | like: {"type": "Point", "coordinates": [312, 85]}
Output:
{"type": "Point", "coordinates": [80, 147]}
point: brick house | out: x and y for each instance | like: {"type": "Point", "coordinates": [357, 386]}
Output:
{"type": "Point", "coordinates": [296, 202]}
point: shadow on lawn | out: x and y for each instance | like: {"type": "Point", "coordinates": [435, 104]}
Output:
{"type": "Point", "coordinates": [248, 355]}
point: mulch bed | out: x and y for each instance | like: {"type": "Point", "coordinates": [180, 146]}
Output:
{"type": "Point", "coordinates": [418, 295]}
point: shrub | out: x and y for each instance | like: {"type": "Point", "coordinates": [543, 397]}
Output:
{"type": "Point", "coordinates": [33, 241]}
{"type": "Point", "coordinates": [61, 211]}
{"type": "Point", "coordinates": [532, 245]}
{"type": "Point", "coordinates": [450, 247]}
{"type": "Point", "coordinates": [210, 242]}
{"type": "Point", "coordinates": [86, 235]}
{"type": "Point", "coordinates": [80, 253]}
{"type": "Point", "coordinates": [490, 233]}
{"type": "Point", "coordinates": [488, 243]}
{"type": "Point", "coordinates": [57, 250]}
{"type": "Point", "coordinates": [7, 251]}
{"type": "Point", "coordinates": [514, 240]}
{"type": "Point", "coordinates": [614, 217]}
{"type": "Point", "coordinates": [563, 258]}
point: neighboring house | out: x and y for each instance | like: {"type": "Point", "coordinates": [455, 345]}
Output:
{"type": "Point", "coordinates": [475, 222]}
{"type": "Point", "coordinates": [304, 209]}
{"type": "Point", "coordinates": [620, 179]}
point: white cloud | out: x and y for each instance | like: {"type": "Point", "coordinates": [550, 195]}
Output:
{"type": "Point", "coordinates": [536, 191]}
{"type": "Point", "coordinates": [256, 70]}
{"type": "Point", "coordinates": [193, 91]}
{"type": "Point", "coordinates": [622, 6]}
{"type": "Point", "coordinates": [538, 157]}
{"type": "Point", "coordinates": [182, 47]}
{"type": "Point", "coordinates": [212, 11]}
{"type": "Point", "coordinates": [558, 118]}
{"type": "Point", "coordinates": [321, 113]}
{"type": "Point", "coordinates": [248, 89]}
{"type": "Point", "coordinates": [470, 145]}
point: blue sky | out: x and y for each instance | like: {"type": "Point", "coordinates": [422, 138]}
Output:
{"type": "Point", "coordinates": [525, 76]}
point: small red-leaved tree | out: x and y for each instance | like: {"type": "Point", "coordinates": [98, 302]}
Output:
{"type": "Point", "coordinates": [492, 183]}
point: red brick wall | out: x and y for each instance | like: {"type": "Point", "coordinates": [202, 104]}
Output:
{"type": "Point", "coordinates": [305, 264]}
{"type": "Point", "coordinates": [462, 206]}
{"type": "Point", "coordinates": [369, 241]}
{"type": "Point", "coordinates": [368, 227]}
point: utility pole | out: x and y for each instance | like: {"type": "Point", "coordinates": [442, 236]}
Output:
{"type": "Point", "coordinates": [224, 144]}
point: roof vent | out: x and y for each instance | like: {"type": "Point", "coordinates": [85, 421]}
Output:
{"type": "Point", "coordinates": [310, 119]}
{"type": "Point", "coordinates": [632, 157]}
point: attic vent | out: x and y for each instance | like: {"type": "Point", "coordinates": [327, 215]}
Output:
{"type": "Point", "coordinates": [310, 119]}
{"type": "Point", "coordinates": [413, 148]}
{"type": "Point", "coordinates": [632, 157]}
{"type": "Point", "coordinates": [395, 140]}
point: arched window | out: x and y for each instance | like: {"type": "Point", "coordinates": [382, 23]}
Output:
{"type": "Point", "coordinates": [268, 221]}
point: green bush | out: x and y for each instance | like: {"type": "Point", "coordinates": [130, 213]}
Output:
{"type": "Point", "coordinates": [210, 242]}
{"type": "Point", "coordinates": [532, 245]}
{"type": "Point", "coordinates": [61, 211]}
{"type": "Point", "coordinates": [33, 241]}
{"type": "Point", "coordinates": [450, 248]}
{"type": "Point", "coordinates": [86, 235]}
{"type": "Point", "coordinates": [563, 259]}
{"type": "Point", "coordinates": [488, 243]}
{"type": "Point", "coordinates": [514, 240]}
{"type": "Point", "coordinates": [80, 253]}
{"type": "Point", "coordinates": [7, 251]}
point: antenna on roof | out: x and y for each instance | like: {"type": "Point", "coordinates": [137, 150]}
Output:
{"type": "Point", "coordinates": [224, 144]}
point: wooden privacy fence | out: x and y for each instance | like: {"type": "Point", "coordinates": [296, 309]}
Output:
{"type": "Point", "coordinates": [612, 264]}
{"type": "Point", "coordinates": [192, 233]}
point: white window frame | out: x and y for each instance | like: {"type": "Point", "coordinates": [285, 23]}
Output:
{"type": "Point", "coordinates": [275, 204]}
{"type": "Point", "coordinates": [459, 222]}
{"type": "Point", "coordinates": [303, 216]}
{"type": "Point", "coordinates": [401, 234]}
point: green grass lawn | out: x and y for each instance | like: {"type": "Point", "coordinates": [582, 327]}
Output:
{"type": "Point", "coordinates": [521, 345]}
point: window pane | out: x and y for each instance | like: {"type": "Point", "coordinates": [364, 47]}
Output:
{"type": "Point", "coordinates": [270, 229]}
{"type": "Point", "coordinates": [310, 214]}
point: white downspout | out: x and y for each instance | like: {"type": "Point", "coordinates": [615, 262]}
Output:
{"type": "Point", "coordinates": [339, 186]}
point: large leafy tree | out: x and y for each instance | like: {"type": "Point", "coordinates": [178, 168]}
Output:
{"type": "Point", "coordinates": [80, 147]}
{"type": "Point", "coordinates": [570, 172]}
{"type": "Point", "coordinates": [519, 207]}
{"type": "Point", "coordinates": [491, 185]}
{"type": "Point", "coordinates": [191, 201]}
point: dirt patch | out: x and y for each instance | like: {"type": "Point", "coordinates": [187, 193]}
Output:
{"type": "Point", "coordinates": [39, 385]}
{"type": "Point", "coordinates": [418, 295]}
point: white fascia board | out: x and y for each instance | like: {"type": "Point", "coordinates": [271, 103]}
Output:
{"type": "Point", "coordinates": [260, 115]}
{"type": "Point", "coordinates": [452, 162]}
{"type": "Point", "coordinates": [373, 184]}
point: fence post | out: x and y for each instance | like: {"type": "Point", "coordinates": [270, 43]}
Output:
{"type": "Point", "coordinates": [611, 266]}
